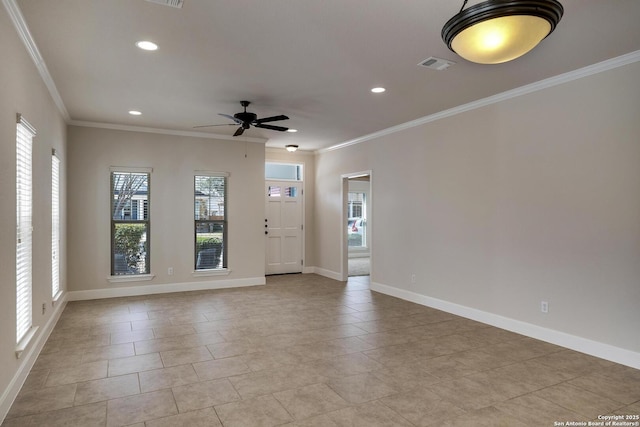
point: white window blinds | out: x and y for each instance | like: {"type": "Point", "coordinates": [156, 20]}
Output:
{"type": "Point", "coordinates": [24, 186]}
{"type": "Point", "coordinates": [55, 225]}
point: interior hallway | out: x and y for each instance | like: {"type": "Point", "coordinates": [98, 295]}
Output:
{"type": "Point", "coordinates": [360, 266]}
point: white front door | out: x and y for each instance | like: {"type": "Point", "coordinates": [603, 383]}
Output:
{"type": "Point", "coordinates": [283, 227]}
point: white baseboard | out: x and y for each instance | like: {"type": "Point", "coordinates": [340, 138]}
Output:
{"type": "Point", "coordinates": [29, 357]}
{"type": "Point", "coordinates": [129, 291]}
{"type": "Point", "coordinates": [573, 342]}
{"type": "Point", "coordinates": [359, 255]}
{"type": "Point", "coordinates": [326, 273]}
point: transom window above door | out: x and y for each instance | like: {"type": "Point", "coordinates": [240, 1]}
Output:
{"type": "Point", "coordinates": [283, 171]}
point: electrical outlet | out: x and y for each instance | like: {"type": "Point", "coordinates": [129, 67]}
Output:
{"type": "Point", "coordinates": [544, 306]}
{"type": "Point", "coordinates": [170, 271]}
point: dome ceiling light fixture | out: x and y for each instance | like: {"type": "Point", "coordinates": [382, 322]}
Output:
{"type": "Point", "coordinates": [497, 31]}
{"type": "Point", "coordinates": [291, 147]}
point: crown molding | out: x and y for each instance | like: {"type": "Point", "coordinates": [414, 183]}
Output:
{"type": "Point", "coordinates": [25, 35]}
{"type": "Point", "coordinates": [589, 70]}
{"type": "Point", "coordinates": [194, 134]}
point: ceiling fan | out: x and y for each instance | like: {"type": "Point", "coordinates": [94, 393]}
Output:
{"type": "Point", "coordinates": [246, 119]}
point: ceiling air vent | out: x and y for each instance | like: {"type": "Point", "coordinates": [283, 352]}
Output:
{"type": "Point", "coordinates": [173, 3]}
{"type": "Point", "coordinates": [436, 63]}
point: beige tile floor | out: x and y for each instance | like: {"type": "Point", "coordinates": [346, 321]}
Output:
{"type": "Point", "coordinates": [305, 351]}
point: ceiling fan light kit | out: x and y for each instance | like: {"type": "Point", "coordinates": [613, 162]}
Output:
{"type": "Point", "coordinates": [291, 147]}
{"type": "Point", "coordinates": [497, 31]}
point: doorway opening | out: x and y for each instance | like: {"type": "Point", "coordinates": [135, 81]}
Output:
{"type": "Point", "coordinates": [357, 213]}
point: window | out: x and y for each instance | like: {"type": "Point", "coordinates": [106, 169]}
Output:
{"type": "Point", "coordinates": [357, 222]}
{"type": "Point", "coordinates": [276, 191]}
{"type": "Point", "coordinates": [283, 171]}
{"type": "Point", "coordinates": [130, 222]}
{"type": "Point", "coordinates": [24, 189]}
{"type": "Point", "coordinates": [55, 225]}
{"type": "Point", "coordinates": [210, 202]}
{"type": "Point", "coordinates": [355, 204]}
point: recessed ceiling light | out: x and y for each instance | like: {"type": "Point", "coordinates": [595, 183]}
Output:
{"type": "Point", "coordinates": [378, 90]}
{"type": "Point", "coordinates": [135, 113]}
{"type": "Point", "coordinates": [292, 130]}
{"type": "Point", "coordinates": [147, 45]}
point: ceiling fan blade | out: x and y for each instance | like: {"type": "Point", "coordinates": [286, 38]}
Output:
{"type": "Point", "coordinates": [208, 126]}
{"type": "Point", "coordinates": [271, 119]}
{"type": "Point", "coordinates": [239, 131]}
{"type": "Point", "coordinates": [280, 128]}
{"type": "Point", "coordinates": [238, 121]}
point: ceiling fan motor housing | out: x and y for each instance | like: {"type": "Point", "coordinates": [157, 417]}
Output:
{"type": "Point", "coordinates": [245, 117]}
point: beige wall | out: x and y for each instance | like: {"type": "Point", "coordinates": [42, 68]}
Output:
{"type": "Point", "coordinates": [534, 198]}
{"type": "Point", "coordinates": [23, 91]}
{"type": "Point", "coordinates": [174, 159]}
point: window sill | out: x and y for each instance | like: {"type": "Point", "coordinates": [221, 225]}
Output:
{"type": "Point", "coordinates": [56, 298]}
{"type": "Point", "coordinates": [24, 342]}
{"type": "Point", "coordinates": [212, 272]}
{"type": "Point", "coordinates": [131, 278]}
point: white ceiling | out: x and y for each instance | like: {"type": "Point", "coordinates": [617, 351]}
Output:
{"type": "Point", "coordinates": [313, 60]}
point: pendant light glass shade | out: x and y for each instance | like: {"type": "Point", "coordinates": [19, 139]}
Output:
{"type": "Point", "coordinates": [497, 31]}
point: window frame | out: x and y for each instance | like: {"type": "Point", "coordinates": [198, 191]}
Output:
{"type": "Point", "coordinates": [130, 276]}
{"type": "Point", "coordinates": [55, 226]}
{"type": "Point", "coordinates": [223, 268]}
{"type": "Point", "coordinates": [25, 329]}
